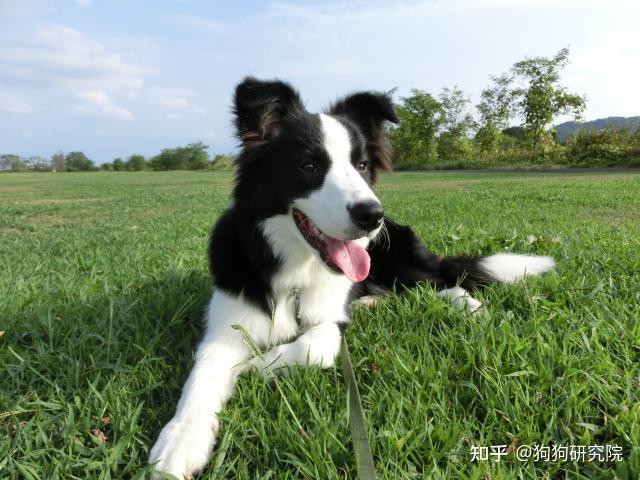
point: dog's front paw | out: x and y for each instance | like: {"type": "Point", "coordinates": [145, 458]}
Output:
{"type": "Point", "coordinates": [183, 447]}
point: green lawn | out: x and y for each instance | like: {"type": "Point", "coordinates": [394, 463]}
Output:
{"type": "Point", "coordinates": [103, 279]}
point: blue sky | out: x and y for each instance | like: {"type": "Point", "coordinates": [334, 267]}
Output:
{"type": "Point", "coordinates": [117, 77]}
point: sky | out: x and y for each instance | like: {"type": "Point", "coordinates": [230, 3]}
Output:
{"type": "Point", "coordinates": [116, 77]}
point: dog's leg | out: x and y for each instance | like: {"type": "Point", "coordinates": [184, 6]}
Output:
{"type": "Point", "coordinates": [185, 443]}
{"type": "Point", "coordinates": [462, 300]}
{"type": "Point", "coordinates": [318, 346]}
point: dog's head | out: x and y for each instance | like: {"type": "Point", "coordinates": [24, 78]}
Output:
{"type": "Point", "coordinates": [315, 168]}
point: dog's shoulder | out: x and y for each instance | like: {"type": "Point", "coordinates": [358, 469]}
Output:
{"type": "Point", "coordinates": [240, 260]}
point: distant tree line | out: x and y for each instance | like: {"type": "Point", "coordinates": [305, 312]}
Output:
{"type": "Point", "coordinates": [445, 132]}
{"type": "Point", "coordinates": [59, 162]}
{"type": "Point", "coordinates": [191, 157]}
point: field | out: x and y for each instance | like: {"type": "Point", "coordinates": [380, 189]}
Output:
{"type": "Point", "coordinates": [104, 278]}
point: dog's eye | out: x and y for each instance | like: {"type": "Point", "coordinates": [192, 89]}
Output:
{"type": "Point", "coordinates": [362, 166]}
{"type": "Point", "coordinates": [309, 167]}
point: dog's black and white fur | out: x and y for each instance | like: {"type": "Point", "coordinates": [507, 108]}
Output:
{"type": "Point", "coordinates": [302, 215]}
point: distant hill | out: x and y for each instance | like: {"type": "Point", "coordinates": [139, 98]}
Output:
{"type": "Point", "coordinates": [569, 128]}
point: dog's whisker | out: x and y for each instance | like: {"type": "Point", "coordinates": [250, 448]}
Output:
{"type": "Point", "coordinates": [382, 238]}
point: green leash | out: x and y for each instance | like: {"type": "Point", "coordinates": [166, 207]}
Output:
{"type": "Point", "coordinates": [364, 459]}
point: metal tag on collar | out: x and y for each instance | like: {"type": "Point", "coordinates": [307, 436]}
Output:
{"type": "Point", "coordinates": [295, 294]}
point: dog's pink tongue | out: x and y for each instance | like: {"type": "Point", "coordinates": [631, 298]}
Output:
{"type": "Point", "coordinates": [349, 257]}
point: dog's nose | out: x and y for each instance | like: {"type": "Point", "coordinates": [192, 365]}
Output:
{"type": "Point", "coordinates": [366, 215]}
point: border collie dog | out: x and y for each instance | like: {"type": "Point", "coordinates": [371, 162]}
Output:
{"type": "Point", "coordinates": [304, 236]}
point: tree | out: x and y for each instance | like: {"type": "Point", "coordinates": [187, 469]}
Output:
{"type": "Point", "coordinates": [192, 157]}
{"type": "Point", "coordinates": [135, 163]}
{"type": "Point", "coordinates": [38, 164]}
{"type": "Point", "coordinates": [223, 161]}
{"type": "Point", "coordinates": [108, 167]}
{"type": "Point", "coordinates": [457, 122]}
{"type": "Point", "coordinates": [497, 103]}
{"type": "Point", "coordinates": [496, 109]}
{"type": "Point", "coordinates": [198, 158]}
{"type": "Point", "coordinates": [14, 163]}
{"type": "Point", "coordinates": [414, 139]}
{"type": "Point", "coordinates": [517, 133]}
{"type": "Point", "coordinates": [78, 162]}
{"type": "Point", "coordinates": [541, 98]}
{"type": "Point", "coordinates": [119, 165]}
{"type": "Point", "coordinates": [57, 162]}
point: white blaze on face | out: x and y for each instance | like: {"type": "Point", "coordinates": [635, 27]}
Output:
{"type": "Point", "coordinates": [343, 186]}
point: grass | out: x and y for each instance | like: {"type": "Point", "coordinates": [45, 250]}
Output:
{"type": "Point", "coordinates": [102, 289]}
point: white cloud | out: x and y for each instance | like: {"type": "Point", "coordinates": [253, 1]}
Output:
{"type": "Point", "coordinates": [173, 116]}
{"type": "Point", "coordinates": [169, 97]}
{"type": "Point", "coordinates": [83, 3]}
{"type": "Point", "coordinates": [97, 103]}
{"type": "Point", "coordinates": [68, 63]}
{"type": "Point", "coordinates": [66, 58]}
{"type": "Point", "coordinates": [106, 111]}
{"type": "Point", "coordinates": [27, 133]}
{"type": "Point", "coordinates": [11, 104]}
{"type": "Point", "coordinates": [97, 97]}
{"type": "Point", "coordinates": [199, 110]}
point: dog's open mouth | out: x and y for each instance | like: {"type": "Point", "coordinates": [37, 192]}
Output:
{"type": "Point", "coordinates": [343, 256]}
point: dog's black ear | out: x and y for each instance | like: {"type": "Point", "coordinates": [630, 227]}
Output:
{"type": "Point", "coordinates": [260, 106]}
{"type": "Point", "coordinates": [369, 111]}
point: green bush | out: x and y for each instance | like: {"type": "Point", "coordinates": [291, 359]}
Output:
{"type": "Point", "coordinates": [222, 162]}
{"type": "Point", "coordinates": [119, 165]}
{"type": "Point", "coordinates": [609, 146]}
{"type": "Point", "coordinates": [78, 162]}
{"type": "Point", "coordinates": [454, 149]}
{"type": "Point", "coordinates": [192, 157]}
{"type": "Point", "coordinates": [136, 163]}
